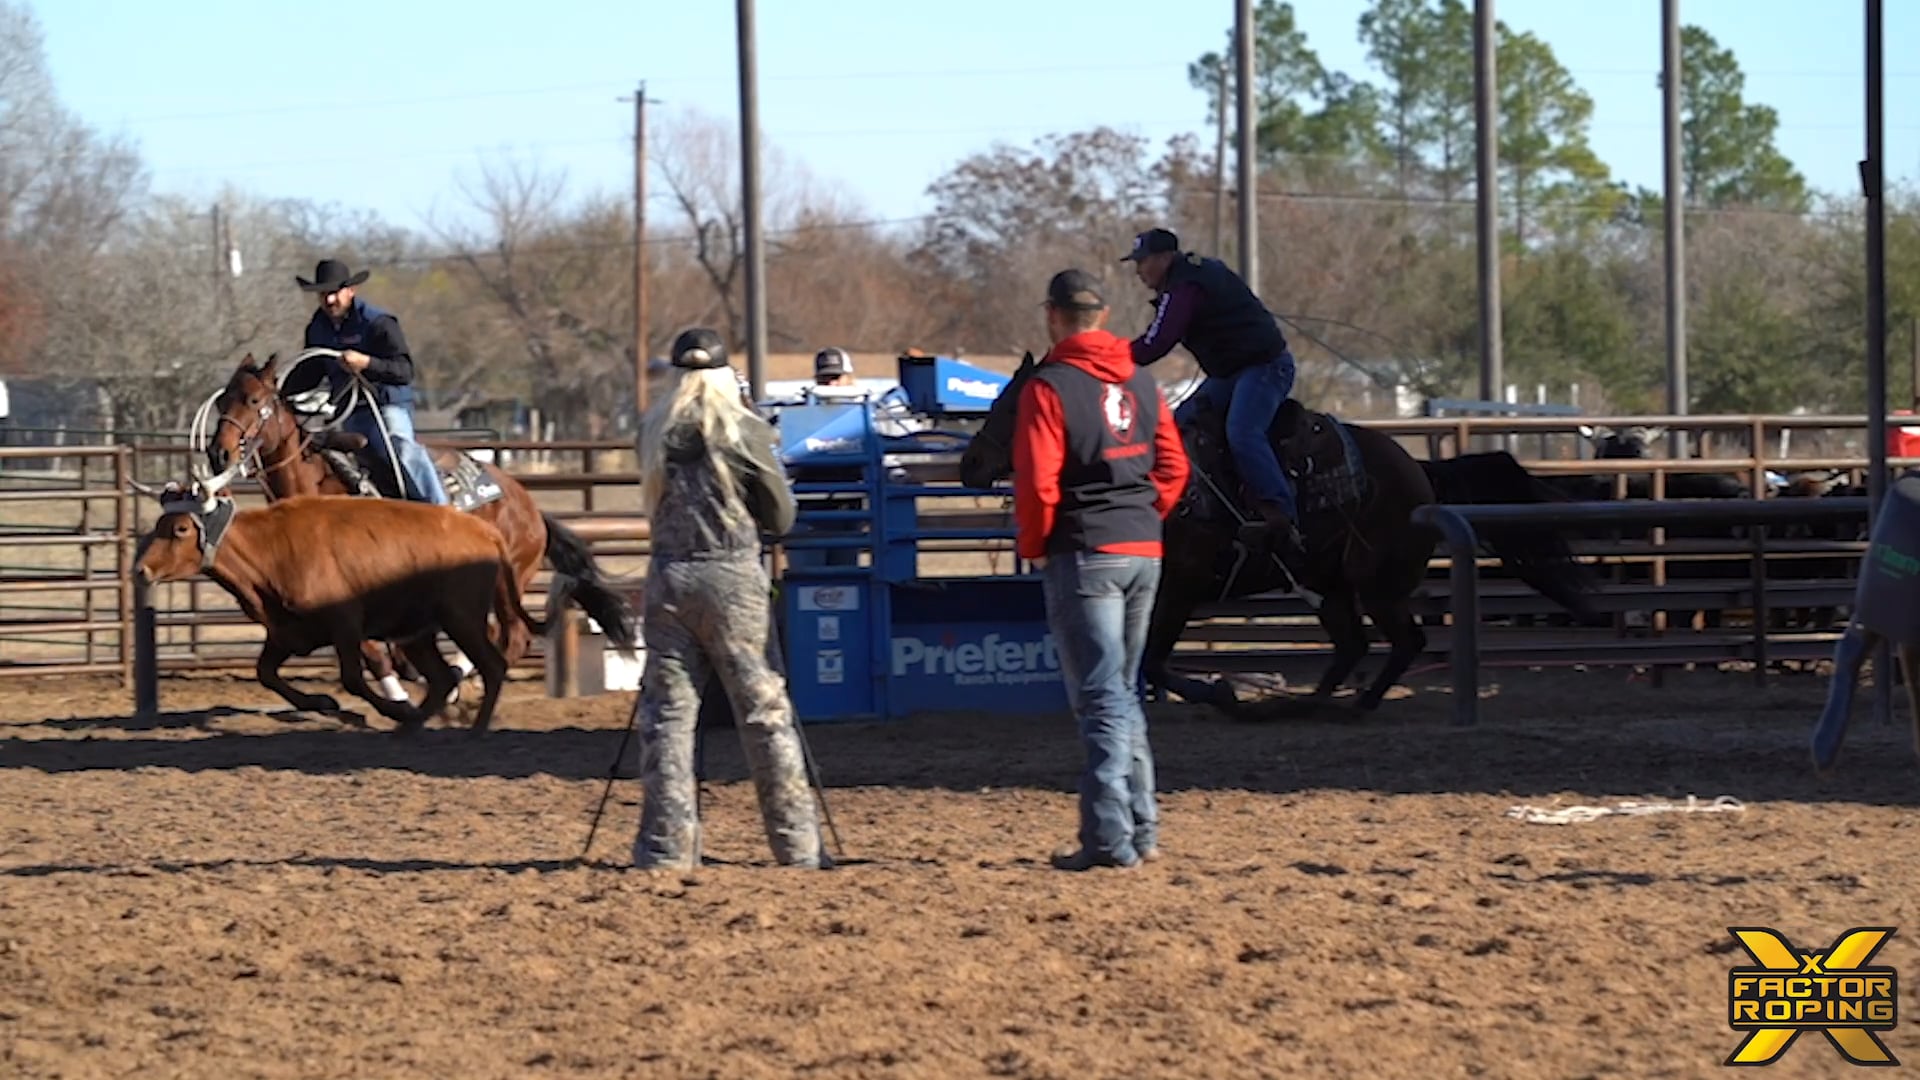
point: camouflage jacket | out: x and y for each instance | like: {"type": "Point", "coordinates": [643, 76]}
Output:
{"type": "Point", "coordinates": [688, 523]}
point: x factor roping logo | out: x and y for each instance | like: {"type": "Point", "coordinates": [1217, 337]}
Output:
{"type": "Point", "coordinates": [1834, 992]}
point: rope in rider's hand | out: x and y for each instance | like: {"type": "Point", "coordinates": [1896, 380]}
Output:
{"type": "Point", "coordinates": [359, 391]}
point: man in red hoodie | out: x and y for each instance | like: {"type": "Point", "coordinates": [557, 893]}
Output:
{"type": "Point", "coordinates": [1097, 466]}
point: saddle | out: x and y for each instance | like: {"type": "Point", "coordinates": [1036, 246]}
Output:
{"type": "Point", "coordinates": [366, 474]}
{"type": "Point", "coordinates": [1322, 481]}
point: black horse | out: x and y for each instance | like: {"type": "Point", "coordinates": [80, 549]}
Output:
{"type": "Point", "coordinates": [1357, 491]}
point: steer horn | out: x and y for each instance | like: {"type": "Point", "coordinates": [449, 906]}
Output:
{"type": "Point", "coordinates": [209, 487]}
{"type": "Point", "coordinates": [144, 489]}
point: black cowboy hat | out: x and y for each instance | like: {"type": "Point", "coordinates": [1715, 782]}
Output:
{"type": "Point", "coordinates": [331, 274]}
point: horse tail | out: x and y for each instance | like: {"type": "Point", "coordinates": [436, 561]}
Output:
{"type": "Point", "coordinates": [577, 579]}
{"type": "Point", "coordinates": [1536, 554]}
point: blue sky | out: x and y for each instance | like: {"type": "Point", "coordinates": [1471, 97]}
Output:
{"type": "Point", "coordinates": [387, 108]}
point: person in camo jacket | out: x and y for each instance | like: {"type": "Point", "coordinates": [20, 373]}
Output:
{"type": "Point", "coordinates": [710, 484]}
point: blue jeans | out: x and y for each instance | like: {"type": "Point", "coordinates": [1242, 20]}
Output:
{"type": "Point", "coordinates": [1250, 398]}
{"type": "Point", "coordinates": [1098, 606]}
{"type": "Point", "coordinates": [423, 478]}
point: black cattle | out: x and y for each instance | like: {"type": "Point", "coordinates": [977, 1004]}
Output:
{"type": "Point", "coordinates": [1825, 484]}
{"type": "Point", "coordinates": [1634, 443]}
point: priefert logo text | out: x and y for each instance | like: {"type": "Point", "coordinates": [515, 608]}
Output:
{"type": "Point", "coordinates": [979, 388]}
{"type": "Point", "coordinates": [985, 661]}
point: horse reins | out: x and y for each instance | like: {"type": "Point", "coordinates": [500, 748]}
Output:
{"type": "Point", "coordinates": [250, 439]}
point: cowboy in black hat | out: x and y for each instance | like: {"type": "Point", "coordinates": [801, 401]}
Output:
{"type": "Point", "coordinates": [372, 347]}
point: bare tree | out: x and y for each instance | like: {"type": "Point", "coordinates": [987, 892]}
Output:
{"type": "Point", "coordinates": [63, 188]}
{"type": "Point", "coordinates": [698, 158]}
{"type": "Point", "coordinates": [559, 282]}
{"type": "Point", "coordinates": [1009, 218]}
{"type": "Point", "coordinates": [21, 322]}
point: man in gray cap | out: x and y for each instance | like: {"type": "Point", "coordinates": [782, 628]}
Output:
{"type": "Point", "coordinates": [832, 366]}
{"type": "Point", "coordinates": [1098, 465]}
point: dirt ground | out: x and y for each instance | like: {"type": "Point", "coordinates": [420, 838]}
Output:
{"type": "Point", "coordinates": [224, 893]}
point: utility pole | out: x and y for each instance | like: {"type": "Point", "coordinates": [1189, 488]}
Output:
{"type": "Point", "coordinates": [1486, 134]}
{"type": "Point", "coordinates": [642, 352]}
{"type": "Point", "coordinates": [1220, 165]}
{"type": "Point", "coordinates": [1249, 124]}
{"type": "Point", "coordinates": [1677, 396]}
{"type": "Point", "coordinates": [219, 255]}
{"type": "Point", "coordinates": [1873, 179]}
{"type": "Point", "coordinates": [225, 309]}
{"type": "Point", "coordinates": [750, 198]}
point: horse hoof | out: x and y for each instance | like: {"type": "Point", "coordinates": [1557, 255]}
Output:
{"type": "Point", "coordinates": [319, 703]}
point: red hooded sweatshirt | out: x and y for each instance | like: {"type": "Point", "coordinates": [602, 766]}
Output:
{"type": "Point", "coordinates": [1040, 436]}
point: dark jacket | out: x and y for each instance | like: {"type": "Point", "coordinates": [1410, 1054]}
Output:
{"type": "Point", "coordinates": [1206, 307]}
{"type": "Point", "coordinates": [370, 330]}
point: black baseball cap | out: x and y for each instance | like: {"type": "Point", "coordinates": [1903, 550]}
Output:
{"type": "Point", "coordinates": [1151, 242]}
{"type": "Point", "coordinates": [832, 360]}
{"type": "Point", "coordinates": [699, 348]}
{"type": "Point", "coordinates": [1075, 290]}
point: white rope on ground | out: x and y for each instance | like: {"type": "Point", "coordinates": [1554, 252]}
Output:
{"type": "Point", "coordinates": [1570, 815]}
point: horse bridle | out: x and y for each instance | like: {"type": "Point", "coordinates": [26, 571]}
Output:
{"type": "Point", "coordinates": [248, 453]}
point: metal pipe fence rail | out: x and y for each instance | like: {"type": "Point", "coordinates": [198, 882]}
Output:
{"type": "Point", "coordinates": [1456, 526]}
{"type": "Point", "coordinates": [600, 503]}
{"type": "Point", "coordinates": [73, 611]}
{"type": "Point", "coordinates": [63, 574]}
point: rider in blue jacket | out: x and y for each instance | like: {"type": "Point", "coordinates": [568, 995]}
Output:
{"type": "Point", "coordinates": [371, 345]}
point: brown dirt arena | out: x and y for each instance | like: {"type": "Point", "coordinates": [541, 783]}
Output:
{"type": "Point", "coordinates": [233, 894]}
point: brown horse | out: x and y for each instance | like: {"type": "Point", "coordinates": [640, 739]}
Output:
{"type": "Point", "coordinates": [259, 433]}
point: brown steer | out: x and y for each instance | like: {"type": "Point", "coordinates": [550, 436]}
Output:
{"type": "Point", "coordinates": [322, 570]}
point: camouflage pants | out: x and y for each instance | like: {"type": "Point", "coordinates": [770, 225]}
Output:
{"type": "Point", "coordinates": [716, 615]}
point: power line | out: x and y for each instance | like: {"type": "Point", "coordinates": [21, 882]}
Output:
{"type": "Point", "coordinates": [688, 240]}
{"type": "Point", "coordinates": [611, 86]}
{"type": "Point", "coordinates": [462, 151]}
{"type": "Point", "coordinates": [625, 244]}
{"type": "Point", "coordinates": [1457, 203]}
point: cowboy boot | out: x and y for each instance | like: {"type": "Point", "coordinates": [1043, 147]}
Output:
{"type": "Point", "coordinates": [348, 472]}
{"type": "Point", "coordinates": [1277, 533]}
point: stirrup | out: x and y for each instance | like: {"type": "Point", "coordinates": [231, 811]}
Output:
{"type": "Point", "coordinates": [1290, 552]}
{"type": "Point", "coordinates": [349, 474]}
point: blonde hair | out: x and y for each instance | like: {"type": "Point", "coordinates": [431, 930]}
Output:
{"type": "Point", "coordinates": [707, 399]}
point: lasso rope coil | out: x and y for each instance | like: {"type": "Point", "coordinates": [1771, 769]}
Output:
{"type": "Point", "coordinates": [358, 391]}
{"type": "Point", "coordinates": [1570, 815]}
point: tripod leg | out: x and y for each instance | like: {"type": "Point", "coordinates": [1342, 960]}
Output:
{"type": "Point", "coordinates": [612, 771]}
{"type": "Point", "coordinates": [776, 658]}
{"type": "Point", "coordinates": [699, 789]}
{"type": "Point", "coordinates": [819, 789]}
